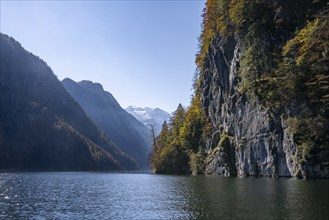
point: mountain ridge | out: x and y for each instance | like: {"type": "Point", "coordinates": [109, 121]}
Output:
{"type": "Point", "coordinates": [127, 133]}
{"type": "Point", "coordinates": [41, 126]}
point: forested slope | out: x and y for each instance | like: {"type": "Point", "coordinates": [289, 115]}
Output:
{"type": "Point", "coordinates": [41, 126]}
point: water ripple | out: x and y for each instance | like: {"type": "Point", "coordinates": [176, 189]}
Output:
{"type": "Point", "coordinates": [148, 196]}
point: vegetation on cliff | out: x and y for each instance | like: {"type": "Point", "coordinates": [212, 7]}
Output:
{"type": "Point", "coordinates": [284, 64]}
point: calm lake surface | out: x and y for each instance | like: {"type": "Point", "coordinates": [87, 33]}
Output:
{"type": "Point", "coordinates": [147, 196]}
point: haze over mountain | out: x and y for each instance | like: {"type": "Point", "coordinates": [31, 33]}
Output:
{"type": "Point", "coordinates": [127, 133]}
{"type": "Point", "coordinates": [149, 116]}
{"type": "Point", "coordinates": [41, 126]}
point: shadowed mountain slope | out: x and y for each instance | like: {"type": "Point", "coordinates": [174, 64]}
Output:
{"type": "Point", "coordinates": [41, 126]}
{"type": "Point", "coordinates": [130, 135]}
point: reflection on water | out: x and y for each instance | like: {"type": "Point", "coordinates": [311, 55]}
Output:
{"type": "Point", "coordinates": [148, 196]}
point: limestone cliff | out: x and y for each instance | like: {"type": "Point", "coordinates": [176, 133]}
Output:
{"type": "Point", "coordinates": [261, 94]}
{"type": "Point", "coordinates": [248, 140]}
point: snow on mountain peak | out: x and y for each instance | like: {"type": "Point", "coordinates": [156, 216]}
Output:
{"type": "Point", "coordinates": [149, 116]}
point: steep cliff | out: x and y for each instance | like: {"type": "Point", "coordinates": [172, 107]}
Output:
{"type": "Point", "coordinates": [253, 132]}
{"type": "Point", "coordinates": [256, 142]}
{"type": "Point", "coordinates": [261, 94]}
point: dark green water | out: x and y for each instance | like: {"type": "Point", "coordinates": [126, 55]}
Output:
{"type": "Point", "coordinates": [148, 196]}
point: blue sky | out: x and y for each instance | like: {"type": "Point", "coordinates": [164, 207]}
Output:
{"type": "Point", "coordinates": [142, 52]}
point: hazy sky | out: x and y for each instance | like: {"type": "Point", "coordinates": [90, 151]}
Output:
{"type": "Point", "coordinates": [142, 52]}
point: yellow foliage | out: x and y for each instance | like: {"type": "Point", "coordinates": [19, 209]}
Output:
{"type": "Point", "coordinates": [236, 11]}
{"type": "Point", "coordinates": [303, 44]}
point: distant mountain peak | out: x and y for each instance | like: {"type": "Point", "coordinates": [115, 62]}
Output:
{"type": "Point", "coordinates": [88, 84]}
{"type": "Point", "coordinates": [91, 85]}
{"type": "Point", "coordinates": [149, 116]}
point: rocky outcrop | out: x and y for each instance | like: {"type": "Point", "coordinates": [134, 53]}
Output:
{"type": "Point", "coordinates": [248, 140]}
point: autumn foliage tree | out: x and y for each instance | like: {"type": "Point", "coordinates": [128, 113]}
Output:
{"type": "Point", "coordinates": [167, 155]}
{"type": "Point", "coordinates": [179, 146]}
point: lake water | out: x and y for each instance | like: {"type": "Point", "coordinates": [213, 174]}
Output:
{"type": "Point", "coordinates": [147, 196]}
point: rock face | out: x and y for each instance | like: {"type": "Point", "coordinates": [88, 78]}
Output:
{"type": "Point", "coordinates": [130, 135]}
{"type": "Point", "coordinates": [253, 142]}
{"type": "Point", "coordinates": [41, 126]}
